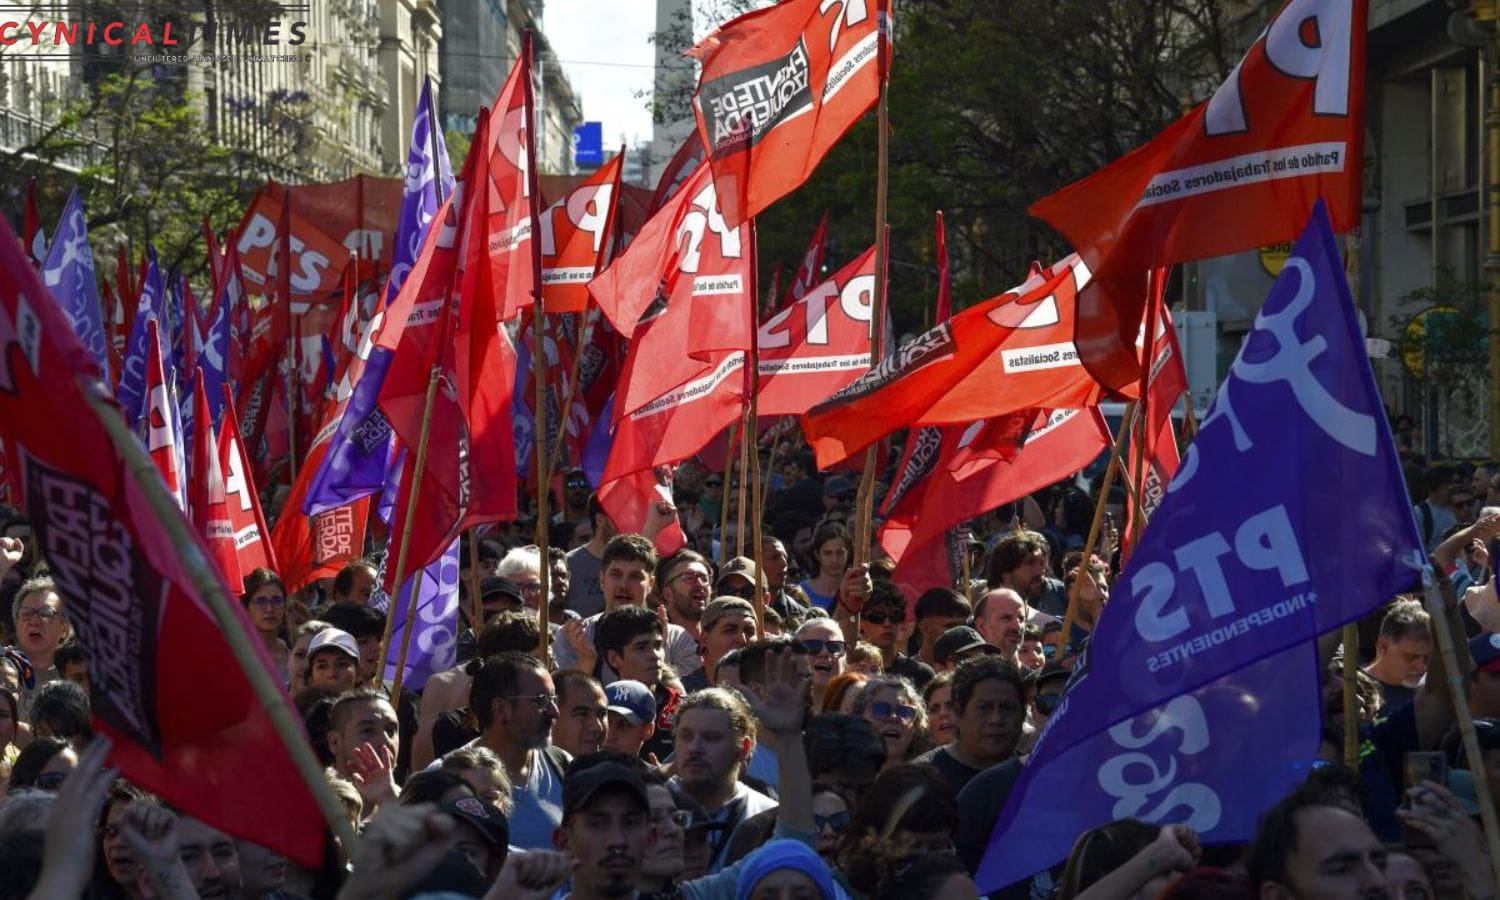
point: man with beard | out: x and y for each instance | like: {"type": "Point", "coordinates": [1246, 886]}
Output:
{"type": "Point", "coordinates": [684, 578]}
{"type": "Point", "coordinates": [989, 702]}
{"type": "Point", "coordinates": [1306, 849]}
{"type": "Point", "coordinates": [627, 567]}
{"type": "Point", "coordinates": [514, 701]}
{"type": "Point", "coordinates": [728, 623]}
{"type": "Point", "coordinates": [1401, 652]}
{"type": "Point", "coordinates": [715, 734]}
{"type": "Point", "coordinates": [263, 872]}
{"type": "Point", "coordinates": [1000, 619]}
{"type": "Point", "coordinates": [1020, 563]}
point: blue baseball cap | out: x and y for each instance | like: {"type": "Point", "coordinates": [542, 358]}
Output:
{"type": "Point", "coordinates": [632, 700]}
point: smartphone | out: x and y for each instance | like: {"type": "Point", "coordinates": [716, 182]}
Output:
{"type": "Point", "coordinates": [1417, 768]}
{"type": "Point", "coordinates": [1424, 766]}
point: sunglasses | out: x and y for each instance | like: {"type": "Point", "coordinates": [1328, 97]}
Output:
{"type": "Point", "coordinates": [742, 591]}
{"type": "Point", "coordinates": [50, 781]}
{"type": "Point", "coordinates": [814, 646]}
{"type": "Point", "coordinates": [838, 821]}
{"type": "Point", "coordinates": [895, 617]}
{"type": "Point", "coordinates": [882, 710]}
{"type": "Point", "coordinates": [1046, 703]}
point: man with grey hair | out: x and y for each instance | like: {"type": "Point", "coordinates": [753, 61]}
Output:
{"type": "Point", "coordinates": [1000, 617]}
{"type": "Point", "coordinates": [1401, 652]}
{"type": "Point", "coordinates": [523, 568]}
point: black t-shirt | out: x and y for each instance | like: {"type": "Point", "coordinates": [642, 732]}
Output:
{"type": "Point", "coordinates": [1393, 695]}
{"type": "Point", "coordinates": [979, 806]}
{"type": "Point", "coordinates": [1383, 747]}
{"type": "Point", "coordinates": [452, 730]}
{"type": "Point", "coordinates": [954, 772]}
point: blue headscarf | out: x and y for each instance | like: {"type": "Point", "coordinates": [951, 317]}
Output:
{"type": "Point", "coordinates": [786, 854]}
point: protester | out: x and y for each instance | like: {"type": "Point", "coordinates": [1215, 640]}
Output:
{"type": "Point", "coordinates": [355, 583]}
{"type": "Point", "coordinates": [332, 661]}
{"type": "Point", "coordinates": [523, 568]}
{"type": "Point", "coordinates": [880, 623]}
{"type": "Point", "coordinates": [632, 717]}
{"type": "Point", "coordinates": [684, 579]}
{"type": "Point", "coordinates": [937, 610]}
{"type": "Point", "coordinates": [1020, 562]}
{"type": "Point", "coordinates": [43, 764]}
{"type": "Point", "coordinates": [714, 735]}
{"type": "Point", "coordinates": [832, 550]}
{"type": "Point", "coordinates": [627, 568]}
{"type": "Point", "coordinates": [264, 600]}
{"type": "Point", "coordinates": [894, 707]}
{"type": "Point", "coordinates": [999, 617]}
{"type": "Point", "coordinates": [938, 699]}
{"type": "Point", "coordinates": [989, 699]}
{"type": "Point", "coordinates": [41, 626]}
{"type": "Point", "coordinates": [1401, 652]}
{"type": "Point", "coordinates": [60, 709]}
{"type": "Point", "coordinates": [823, 642]}
{"type": "Point", "coordinates": [447, 692]}
{"type": "Point", "coordinates": [727, 623]}
{"type": "Point", "coordinates": [958, 644]}
{"type": "Point", "coordinates": [1128, 858]}
{"type": "Point", "coordinates": [585, 594]}
{"type": "Point", "coordinates": [582, 713]}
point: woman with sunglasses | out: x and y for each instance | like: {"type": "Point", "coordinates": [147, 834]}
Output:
{"type": "Point", "coordinates": [831, 815]}
{"type": "Point", "coordinates": [891, 704]}
{"type": "Point", "coordinates": [265, 603]}
{"type": "Point", "coordinates": [824, 644]}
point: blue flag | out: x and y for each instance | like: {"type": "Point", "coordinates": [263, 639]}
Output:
{"type": "Point", "coordinates": [1287, 518]}
{"type": "Point", "coordinates": [358, 453]}
{"type": "Point", "coordinates": [69, 274]}
{"type": "Point", "coordinates": [213, 360]}
{"type": "Point", "coordinates": [434, 643]}
{"type": "Point", "coordinates": [132, 388]}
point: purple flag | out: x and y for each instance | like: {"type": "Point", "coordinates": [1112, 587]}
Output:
{"type": "Point", "coordinates": [212, 359]}
{"type": "Point", "coordinates": [434, 641]}
{"type": "Point", "coordinates": [355, 465]}
{"type": "Point", "coordinates": [1228, 582]}
{"type": "Point", "coordinates": [69, 274]}
{"type": "Point", "coordinates": [132, 389]}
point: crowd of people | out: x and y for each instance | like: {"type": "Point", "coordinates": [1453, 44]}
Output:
{"type": "Point", "coordinates": [669, 734]}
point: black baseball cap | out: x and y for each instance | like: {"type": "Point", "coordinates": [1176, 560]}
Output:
{"type": "Point", "coordinates": [582, 784]}
{"type": "Point", "coordinates": [485, 817]}
{"type": "Point", "coordinates": [959, 639]}
{"type": "Point", "coordinates": [494, 584]}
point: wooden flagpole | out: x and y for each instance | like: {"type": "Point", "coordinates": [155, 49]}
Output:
{"type": "Point", "coordinates": [1126, 424]}
{"type": "Point", "coordinates": [756, 515]}
{"type": "Point", "coordinates": [538, 351]}
{"type": "Point", "coordinates": [729, 451]}
{"type": "Point", "coordinates": [747, 438]}
{"type": "Point", "coordinates": [1458, 694]}
{"type": "Point", "coordinates": [419, 468]}
{"type": "Point", "coordinates": [865, 500]}
{"type": "Point", "coordinates": [210, 587]}
{"type": "Point", "coordinates": [476, 602]}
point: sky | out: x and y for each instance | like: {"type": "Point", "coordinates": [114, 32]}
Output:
{"type": "Point", "coordinates": [603, 47]}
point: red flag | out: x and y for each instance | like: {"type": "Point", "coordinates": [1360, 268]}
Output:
{"type": "Point", "coordinates": [10, 475]}
{"type": "Point", "coordinates": [978, 468]}
{"type": "Point", "coordinates": [603, 356]}
{"type": "Point", "coordinates": [687, 275]}
{"type": "Point", "coordinates": [215, 256]}
{"type": "Point", "coordinates": [779, 87]}
{"type": "Point", "coordinates": [679, 168]}
{"type": "Point", "coordinates": [667, 431]}
{"type": "Point", "coordinates": [768, 304]}
{"type": "Point", "coordinates": [1154, 458]}
{"type": "Point", "coordinates": [311, 547]}
{"type": "Point", "coordinates": [810, 272]}
{"type": "Point", "coordinates": [1009, 353]}
{"type": "Point", "coordinates": [507, 220]}
{"type": "Point", "coordinates": [944, 297]}
{"type": "Point", "coordinates": [818, 344]}
{"type": "Point", "coordinates": [247, 524]}
{"type": "Point", "coordinates": [202, 741]}
{"type": "Point", "coordinates": [159, 420]}
{"type": "Point", "coordinates": [241, 326]}
{"type": "Point", "coordinates": [36, 238]}
{"type": "Point", "coordinates": [1242, 170]}
{"type": "Point", "coordinates": [206, 501]}
{"type": "Point", "coordinates": [627, 501]}
{"type": "Point", "coordinates": [577, 235]}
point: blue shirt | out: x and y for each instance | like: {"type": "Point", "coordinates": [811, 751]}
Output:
{"type": "Point", "coordinates": [538, 805]}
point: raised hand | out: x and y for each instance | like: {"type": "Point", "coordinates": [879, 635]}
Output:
{"type": "Point", "coordinates": [1436, 813]}
{"type": "Point", "coordinates": [11, 550]}
{"type": "Point", "coordinates": [531, 875]}
{"type": "Point", "coordinates": [400, 846]}
{"type": "Point", "coordinates": [151, 833]}
{"type": "Point", "coordinates": [658, 516]}
{"type": "Point", "coordinates": [373, 774]}
{"type": "Point", "coordinates": [71, 838]}
{"type": "Point", "coordinates": [778, 706]}
{"type": "Point", "coordinates": [856, 587]}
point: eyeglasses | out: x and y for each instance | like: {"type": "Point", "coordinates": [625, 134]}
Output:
{"type": "Point", "coordinates": [543, 702]}
{"type": "Point", "coordinates": [50, 781]}
{"type": "Point", "coordinates": [894, 616]}
{"type": "Point", "coordinates": [1046, 703]}
{"type": "Point", "coordinates": [44, 613]}
{"type": "Point", "coordinates": [882, 711]}
{"type": "Point", "coordinates": [693, 575]}
{"type": "Point", "coordinates": [814, 646]}
{"type": "Point", "coordinates": [838, 821]}
{"type": "Point", "coordinates": [267, 602]}
{"type": "Point", "coordinates": [529, 587]}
